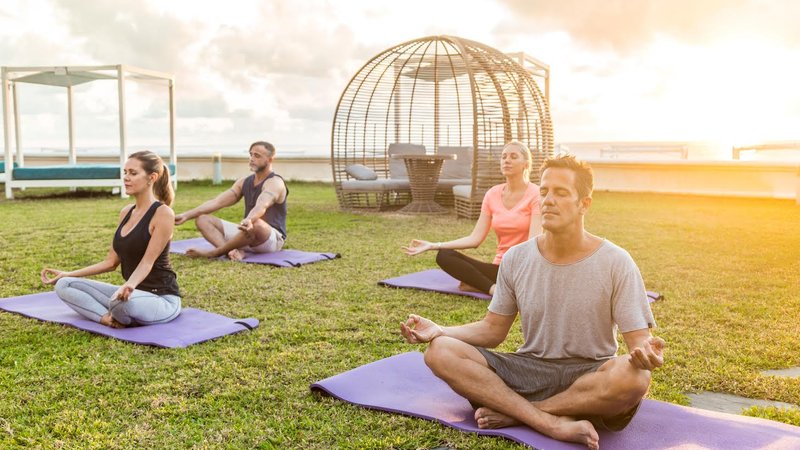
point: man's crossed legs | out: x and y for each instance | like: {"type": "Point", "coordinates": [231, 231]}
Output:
{"type": "Point", "coordinates": [231, 239]}
{"type": "Point", "coordinates": [611, 393]}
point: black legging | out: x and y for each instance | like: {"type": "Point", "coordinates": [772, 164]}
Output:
{"type": "Point", "coordinates": [478, 274]}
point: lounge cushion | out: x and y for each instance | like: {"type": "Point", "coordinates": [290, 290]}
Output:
{"type": "Point", "coordinates": [461, 167]}
{"type": "Point", "coordinates": [72, 172]}
{"type": "Point", "coordinates": [361, 172]}
{"type": "Point", "coordinates": [462, 191]}
{"type": "Point", "coordinates": [449, 183]}
{"type": "Point", "coordinates": [3, 166]}
{"type": "Point", "coordinates": [381, 185]}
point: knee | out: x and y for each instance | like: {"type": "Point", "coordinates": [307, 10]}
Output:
{"type": "Point", "coordinates": [440, 354]}
{"type": "Point", "coordinates": [203, 220]}
{"type": "Point", "coordinates": [443, 255]}
{"type": "Point", "coordinates": [62, 284]}
{"type": "Point", "coordinates": [629, 386]}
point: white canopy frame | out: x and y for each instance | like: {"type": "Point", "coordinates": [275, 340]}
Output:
{"type": "Point", "coordinates": [69, 76]}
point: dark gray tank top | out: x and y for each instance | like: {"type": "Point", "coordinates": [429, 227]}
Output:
{"type": "Point", "coordinates": [131, 248]}
{"type": "Point", "coordinates": [276, 214]}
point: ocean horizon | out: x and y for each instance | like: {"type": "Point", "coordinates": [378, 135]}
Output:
{"type": "Point", "coordinates": [639, 150]}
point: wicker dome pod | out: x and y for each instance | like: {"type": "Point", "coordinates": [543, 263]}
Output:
{"type": "Point", "coordinates": [435, 95]}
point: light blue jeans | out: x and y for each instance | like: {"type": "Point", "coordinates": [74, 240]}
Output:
{"type": "Point", "coordinates": [92, 299]}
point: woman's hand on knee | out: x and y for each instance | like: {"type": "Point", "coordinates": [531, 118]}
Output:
{"type": "Point", "coordinates": [50, 276]}
{"type": "Point", "coordinates": [123, 293]}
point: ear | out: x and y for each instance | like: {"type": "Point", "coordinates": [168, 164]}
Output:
{"type": "Point", "coordinates": [586, 203]}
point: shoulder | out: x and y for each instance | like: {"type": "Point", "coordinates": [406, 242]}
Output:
{"type": "Point", "coordinates": [616, 256]}
{"type": "Point", "coordinates": [165, 212]}
{"type": "Point", "coordinates": [125, 209]}
{"type": "Point", "coordinates": [496, 189]}
{"type": "Point", "coordinates": [521, 251]}
{"type": "Point", "coordinates": [495, 192]}
{"type": "Point", "coordinates": [273, 183]}
{"type": "Point", "coordinates": [240, 181]}
{"type": "Point", "coordinates": [533, 189]}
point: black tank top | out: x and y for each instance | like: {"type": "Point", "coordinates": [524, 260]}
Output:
{"type": "Point", "coordinates": [130, 248]}
{"type": "Point", "coordinates": [276, 214]}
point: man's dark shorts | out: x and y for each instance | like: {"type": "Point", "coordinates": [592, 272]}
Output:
{"type": "Point", "coordinates": [537, 379]}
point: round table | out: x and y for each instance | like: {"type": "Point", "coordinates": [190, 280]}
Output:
{"type": "Point", "coordinates": [423, 177]}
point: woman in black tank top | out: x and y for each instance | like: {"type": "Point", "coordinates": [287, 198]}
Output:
{"type": "Point", "coordinates": [150, 293]}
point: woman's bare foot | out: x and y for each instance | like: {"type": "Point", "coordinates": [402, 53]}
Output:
{"type": "Point", "coordinates": [236, 255]}
{"type": "Point", "coordinates": [490, 419]}
{"type": "Point", "coordinates": [109, 321]}
{"type": "Point", "coordinates": [466, 288]}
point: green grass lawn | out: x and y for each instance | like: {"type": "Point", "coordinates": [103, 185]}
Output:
{"type": "Point", "coordinates": [729, 269]}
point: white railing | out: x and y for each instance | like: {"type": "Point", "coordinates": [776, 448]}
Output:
{"type": "Point", "coordinates": [779, 146]}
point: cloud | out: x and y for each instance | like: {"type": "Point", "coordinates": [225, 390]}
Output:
{"type": "Point", "coordinates": [290, 42]}
{"type": "Point", "coordinates": [628, 25]}
{"type": "Point", "coordinates": [127, 31]}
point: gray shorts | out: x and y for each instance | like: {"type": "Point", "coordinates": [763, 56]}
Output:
{"type": "Point", "coordinates": [537, 379]}
{"type": "Point", "coordinates": [273, 243]}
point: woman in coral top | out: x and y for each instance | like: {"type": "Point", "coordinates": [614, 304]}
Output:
{"type": "Point", "coordinates": [510, 209]}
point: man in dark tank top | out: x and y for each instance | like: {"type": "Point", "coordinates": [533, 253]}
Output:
{"type": "Point", "coordinates": [263, 229]}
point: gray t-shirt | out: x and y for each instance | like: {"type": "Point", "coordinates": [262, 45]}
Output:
{"type": "Point", "coordinates": [570, 310]}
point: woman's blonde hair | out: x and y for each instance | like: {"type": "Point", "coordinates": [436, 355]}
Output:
{"type": "Point", "coordinates": [152, 163]}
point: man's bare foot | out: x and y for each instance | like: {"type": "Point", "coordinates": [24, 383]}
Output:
{"type": "Point", "coordinates": [195, 253]}
{"type": "Point", "coordinates": [571, 430]}
{"type": "Point", "coordinates": [490, 419]}
{"type": "Point", "coordinates": [562, 428]}
{"type": "Point", "coordinates": [109, 321]}
{"type": "Point", "coordinates": [467, 288]}
{"type": "Point", "coordinates": [236, 255]}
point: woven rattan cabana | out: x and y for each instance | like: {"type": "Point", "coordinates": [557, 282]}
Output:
{"type": "Point", "coordinates": [436, 95]}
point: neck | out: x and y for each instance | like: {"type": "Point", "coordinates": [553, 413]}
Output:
{"type": "Point", "coordinates": [144, 200]}
{"type": "Point", "coordinates": [263, 173]}
{"type": "Point", "coordinates": [565, 245]}
{"type": "Point", "coordinates": [517, 183]}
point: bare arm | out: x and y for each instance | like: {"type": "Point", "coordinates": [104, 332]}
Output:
{"type": "Point", "coordinates": [161, 228]}
{"type": "Point", "coordinates": [646, 351]}
{"type": "Point", "coordinates": [488, 332]}
{"type": "Point", "coordinates": [225, 199]}
{"type": "Point", "coordinates": [476, 238]}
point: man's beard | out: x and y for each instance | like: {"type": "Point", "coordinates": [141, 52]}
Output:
{"type": "Point", "coordinates": [259, 168]}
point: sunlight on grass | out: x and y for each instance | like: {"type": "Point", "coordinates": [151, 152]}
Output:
{"type": "Point", "coordinates": [728, 269]}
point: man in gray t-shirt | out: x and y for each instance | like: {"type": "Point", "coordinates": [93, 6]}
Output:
{"type": "Point", "coordinates": [573, 291]}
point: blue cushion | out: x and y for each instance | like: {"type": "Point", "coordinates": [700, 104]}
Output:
{"type": "Point", "coordinates": [72, 172]}
{"type": "Point", "coordinates": [3, 166]}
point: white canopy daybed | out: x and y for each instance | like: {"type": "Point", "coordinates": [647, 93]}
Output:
{"type": "Point", "coordinates": [17, 175]}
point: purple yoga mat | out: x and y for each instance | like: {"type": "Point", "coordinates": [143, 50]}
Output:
{"type": "Point", "coordinates": [403, 384]}
{"type": "Point", "coordinates": [435, 280]}
{"type": "Point", "coordinates": [282, 258]}
{"type": "Point", "coordinates": [438, 280]}
{"type": "Point", "coordinates": [190, 327]}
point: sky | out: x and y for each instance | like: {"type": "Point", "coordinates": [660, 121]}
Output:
{"type": "Point", "coordinates": [722, 71]}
